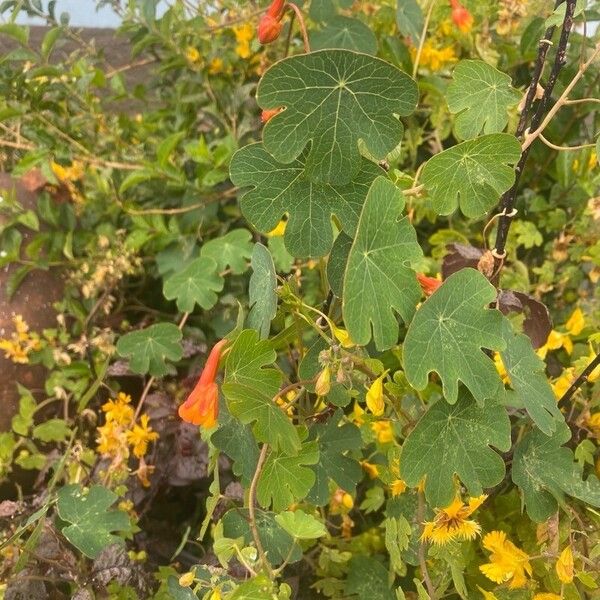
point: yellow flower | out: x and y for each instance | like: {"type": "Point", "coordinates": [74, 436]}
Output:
{"type": "Point", "coordinates": [593, 423]}
{"type": "Point", "coordinates": [216, 594]}
{"type": "Point", "coordinates": [432, 58]}
{"type": "Point", "coordinates": [343, 337]}
{"type": "Point", "coordinates": [112, 440]}
{"type": "Point", "coordinates": [216, 66]}
{"type": "Point", "coordinates": [279, 230]}
{"type": "Point", "coordinates": [507, 562]}
{"type": "Point", "coordinates": [451, 523]}
{"type": "Point", "coordinates": [555, 341]}
{"type": "Point", "coordinates": [187, 579]}
{"type": "Point", "coordinates": [565, 566]}
{"type": "Point", "coordinates": [14, 352]}
{"type": "Point", "coordinates": [243, 35]}
{"type": "Point", "coordinates": [140, 436]}
{"type": "Point", "coordinates": [397, 487]}
{"type": "Point", "coordinates": [487, 595]}
{"type": "Point", "coordinates": [323, 384]}
{"type": "Point", "coordinates": [192, 54]}
{"type": "Point", "coordinates": [67, 174]}
{"type": "Point", "coordinates": [564, 382]}
{"type": "Point", "coordinates": [547, 596]}
{"type": "Point", "coordinates": [501, 368]}
{"type": "Point", "coordinates": [375, 401]}
{"type": "Point", "coordinates": [118, 410]}
{"type": "Point", "coordinates": [371, 469]}
{"type": "Point", "coordinates": [576, 322]}
{"type": "Point", "coordinates": [341, 502]}
{"type": "Point", "coordinates": [383, 431]}
{"type": "Point", "coordinates": [357, 414]}
{"type": "Point", "coordinates": [21, 342]}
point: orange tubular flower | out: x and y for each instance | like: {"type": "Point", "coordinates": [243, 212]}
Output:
{"type": "Point", "coordinates": [269, 26]}
{"type": "Point", "coordinates": [202, 405]}
{"type": "Point", "coordinates": [428, 284]}
{"type": "Point", "coordinates": [462, 18]}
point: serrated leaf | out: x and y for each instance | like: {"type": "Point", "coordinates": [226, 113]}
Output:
{"type": "Point", "coordinates": [528, 379]}
{"type": "Point", "coordinates": [480, 96]}
{"type": "Point", "coordinates": [473, 174]}
{"type": "Point", "coordinates": [232, 250]}
{"type": "Point", "coordinates": [378, 280]}
{"type": "Point", "coordinates": [546, 472]}
{"type": "Point", "coordinates": [447, 336]}
{"type": "Point", "coordinates": [148, 349]}
{"type": "Point", "coordinates": [333, 98]}
{"type": "Point", "coordinates": [301, 525]}
{"type": "Point", "coordinates": [196, 283]}
{"type": "Point", "coordinates": [456, 439]}
{"type": "Point", "coordinates": [91, 520]}
{"type": "Point", "coordinates": [333, 442]}
{"type": "Point", "coordinates": [346, 33]}
{"type": "Point", "coordinates": [250, 388]}
{"type": "Point", "coordinates": [262, 291]}
{"type": "Point", "coordinates": [280, 189]}
{"type": "Point", "coordinates": [368, 579]}
{"type": "Point", "coordinates": [285, 479]}
{"type": "Point", "coordinates": [409, 18]}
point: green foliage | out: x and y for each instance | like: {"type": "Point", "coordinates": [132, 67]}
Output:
{"type": "Point", "coordinates": [262, 292]}
{"type": "Point", "coordinates": [346, 33]}
{"type": "Point", "coordinates": [300, 525]}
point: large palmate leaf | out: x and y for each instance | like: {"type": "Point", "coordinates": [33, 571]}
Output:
{"type": "Point", "coordinates": [448, 333]}
{"type": "Point", "coordinates": [280, 189]}
{"type": "Point", "coordinates": [455, 439]}
{"type": "Point", "coordinates": [481, 96]}
{"type": "Point", "coordinates": [250, 387]}
{"type": "Point", "coordinates": [286, 479]}
{"type": "Point", "coordinates": [148, 349]}
{"type": "Point", "coordinates": [527, 378]}
{"type": "Point", "coordinates": [196, 283]}
{"type": "Point", "coordinates": [347, 33]}
{"type": "Point", "coordinates": [232, 250]}
{"type": "Point", "coordinates": [334, 441]}
{"type": "Point", "coordinates": [333, 98]}
{"type": "Point", "coordinates": [546, 472]}
{"type": "Point", "coordinates": [378, 280]}
{"type": "Point", "coordinates": [262, 291]}
{"type": "Point", "coordinates": [473, 174]}
{"type": "Point", "coordinates": [368, 579]}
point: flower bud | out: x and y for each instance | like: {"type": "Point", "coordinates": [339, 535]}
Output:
{"type": "Point", "coordinates": [323, 384]}
{"type": "Point", "coordinates": [269, 29]}
{"type": "Point", "coordinates": [461, 16]}
{"type": "Point", "coordinates": [187, 579]}
{"type": "Point", "coordinates": [375, 397]}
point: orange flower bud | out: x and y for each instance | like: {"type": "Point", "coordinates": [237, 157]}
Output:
{"type": "Point", "coordinates": [269, 113]}
{"type": "Point", "coordinates": [269, 26]}
{"type": "Point", "coordinates": [462, 18]}
{"type": "Point", "coordinates": [202, 405]}
{"type": "Point", "coordinates": [428, 284]}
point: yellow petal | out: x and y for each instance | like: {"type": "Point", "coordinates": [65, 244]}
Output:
{"type": "Point", "coordinates": [375, 401]}
{"type": "Point", "coordinates": [576, 322]}
{"type": "Point", "coordinates": [487, 595]}
{"type": "Point", "coordinates": [279, 229]}
{"type": "Point", "coordinates": [343, 337]}
{"type": "Point", "coordinates": [565, 566]}
{"type": "Point", "coordinates": [323, 384]}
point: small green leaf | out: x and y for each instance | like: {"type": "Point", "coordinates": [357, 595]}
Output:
{"type": "Point", "coordinates": [167, 147]}
{"type": "Point", "coordinates": [250, 388]}
{"type": "Point", "coordinates": [262, 291]}
{"type": "Point", "coordinates": [447, 336]}
{"type": "Point", "coordinates": [528, 379]}
{"type": "Point", "coordinates": [285, 479]}
{"type": "Point", "coordinates": [409, 18]}
{"type": "Point", "coordinates": [333, 98]}
{"type": "Point", "coordinates": [52, 430]}
{"type": "Point", "coordinates": [397, 534]}
{"type": "Point", "coordinates": [232, 250]}
{"type": "Point", "coordinates": [49, 41]}
{"type": "Point", "coordinates": [346, 33]}
{"type": "Point", "coordinates": [378, 280]}
{"type": "Point", "coordinates": [336, 264]}
{"type": "Point", "coordinates": [280, 189]}
{"type": "Point", "coordinates": [546, 472]}
{"type": "Point", "coordinates": [455, 439]}
{"type": "Point", "coordinates": [147, 349]}
{"type": "Point", "coordinates": [92, 521]}
{"type": "Point", "coordinates": [20, 33]}
{"type": "Point", "coordinates": [474, 173]}
{"type": "Point", "coordinates": [197, 283]}
{"type": "Point", "coordinates": [368, 579]}
{"type": "Point", "coordinates": [137, 177]}
{"type": "Point", "coordinates": [301, 525]}
{"type": "Point", "coordinates": [480, 96]}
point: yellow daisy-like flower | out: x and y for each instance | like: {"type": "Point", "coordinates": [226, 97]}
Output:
{"type": "Point", "coordinates": [216, 66]}
{"type": "Point", "coordinates": [433, 58]}
{"type": "Point", "coordinates": [397, 487]}
{"type": "Point", "coordinates": [243, 35]}
{"type": "Point", "coordinates": [547, 596]}
{"type": "Point", "coordinates": [140, 436]}
{"type": "Point", "coordinates": [370, 468]}
{"type": "Point", "coordinates": [21, 342]}
{"type": "Point", "coordinates": [192, 54]}
{"type": "Point", "coordinates": [507, 562]}
{"type": "Point", "coordinates": [565, 565]}
{"type": "Point", "coordinates": [111, 440]}
{"type": "Point", "coordinates": [118, 410]}
{"type": "Point", "coordinates": [383, 431]}
{"type": "Point", "coordinates": [452, 523]}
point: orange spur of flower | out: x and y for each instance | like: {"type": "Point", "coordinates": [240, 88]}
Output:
{"type": "Point", "coordinates": [428, 284]}
{"type": "Point", "coordinates": [202, 405]}
{"type": "Point", "coordinates": [269, 26]}
{"type": "Point", "coordinates": [462, 18]}
{"type": "Point", "coordinates": [269, 113]}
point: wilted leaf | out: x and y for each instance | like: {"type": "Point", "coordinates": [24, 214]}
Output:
{"type": "Point", "coordinates": [458, 257]}
{"type": "Point", "coordinates": [333, 98]}
{"type": "Point", "coordinates": [537, 324]}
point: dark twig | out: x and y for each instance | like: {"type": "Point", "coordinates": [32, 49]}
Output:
{"type": "Point", "coordinates": [507, 201]}
{"type": "Point", "coordinates": [580, 380]}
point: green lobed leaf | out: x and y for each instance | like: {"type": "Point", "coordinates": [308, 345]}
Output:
{"type": "Point", "coordinates": [334, 441]}
{"type": "Point", "coordinates": [148, 349]}
{"type": "Point", "coordinates": [454, 439]}
{"type": "Point", "coordinates": [52, 430]}
{"type": "Point", "coordinates": [285, 479]}
{"type": "Point", "coordinates": [91, 520]}
{"type": "Point", "coordinates": [333, 98]}
{"type": "Point", "coordinates": [480, 96]}
{"type": "Point", "coordinates": [397, 538]}
{"type": "Point", "coordinates": [346, 33]}
{"type": "Point", "coordinates": [528, 379]}
{"type": "Point", "coordinates": [301, 525]}
{"type": "Point", "coordinates": [473, 174]}
{"type": "Point", "coordinates": [368, 579]}
{"type": "Point", "coordinates": [232, 250]}
{"type": "Point", "coordinates": [250, 388]}
{"type": "Point", "coordinates": [196, 283]}
{"type": "Point", "coordinates": [378, 280]}
{"type": "Point", "coordinates": [280, 189]}
{"type": "Point", "coordinates": [409, 18]}
{"type": "Point", "coordinates": [336, 263]}
{"type": "Point", "coordinates": [262, 291]}
{"type": "Point", "coordinates": [447, 336]}
{"type": "Point", "coordinates": [546, 472]}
